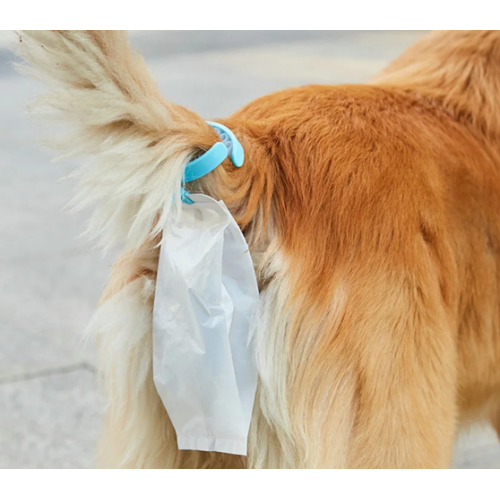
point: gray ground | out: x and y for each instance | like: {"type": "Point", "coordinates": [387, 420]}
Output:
{"type": "Point", "coordinates": [50, 280]}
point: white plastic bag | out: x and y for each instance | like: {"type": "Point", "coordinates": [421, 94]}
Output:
{"type": "Point", "coordinates": [206, 295]}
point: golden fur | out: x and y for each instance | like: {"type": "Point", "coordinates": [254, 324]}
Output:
{"type": "Point", "coordinates": [373, 215]}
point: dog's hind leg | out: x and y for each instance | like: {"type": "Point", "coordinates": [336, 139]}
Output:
{"type": "Point", "coordinates": [366, 381]}
{"type": "Point", "coordinates": [404, 363]}
{"type": "Point", "coordinates": [136, 431]}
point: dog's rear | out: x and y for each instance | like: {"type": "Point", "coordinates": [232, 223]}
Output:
{"type": "Point", "coordinates": [372, 215]}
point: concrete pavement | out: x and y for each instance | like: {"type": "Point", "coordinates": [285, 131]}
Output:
{"type": "Point", "coordinates": [50, 279]}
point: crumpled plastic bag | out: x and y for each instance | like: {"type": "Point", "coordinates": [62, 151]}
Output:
{"type": "Point", "coordinates": [206, 297]}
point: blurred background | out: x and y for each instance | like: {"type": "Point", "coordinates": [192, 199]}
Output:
{"type": "Point", "coordinates": [51, 279]}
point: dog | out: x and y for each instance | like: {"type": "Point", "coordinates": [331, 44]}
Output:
{"type": "Point", "coordinates": [373, 217]}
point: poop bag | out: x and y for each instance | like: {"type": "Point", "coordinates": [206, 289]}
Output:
{"type": "Point", "coordinates": [206, 296]}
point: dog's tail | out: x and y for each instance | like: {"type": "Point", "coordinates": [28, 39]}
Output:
{"type": "Point", "coordinates": [139, 142]}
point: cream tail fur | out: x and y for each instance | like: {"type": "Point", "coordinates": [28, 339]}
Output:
{"type": "Point", "coordinates": [140, 144]}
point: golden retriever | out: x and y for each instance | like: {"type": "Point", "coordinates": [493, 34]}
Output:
{"type": "Point", "coordinates": [373, 217]}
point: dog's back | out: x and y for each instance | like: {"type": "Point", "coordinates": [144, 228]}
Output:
{"type": "Point", "coordinates": [372, 215]}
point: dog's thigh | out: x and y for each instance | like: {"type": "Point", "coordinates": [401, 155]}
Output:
{"type": "Point", "coordinates": [368, 383]}
{"type": "Point", "coordinates": [400, 349]}
{"type": "Point", "coordinates": [406, 412]}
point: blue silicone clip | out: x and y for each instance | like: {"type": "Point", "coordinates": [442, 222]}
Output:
{"type": "Point", "coordinates": [233, 145]}
{"type": "Point", "coordinates": [206, 162]}
{"type": "Point", "coordinates": [211, 159]}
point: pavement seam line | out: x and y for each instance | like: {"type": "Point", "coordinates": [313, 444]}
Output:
{"type": "Point", "coordinates": [47, 373]}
